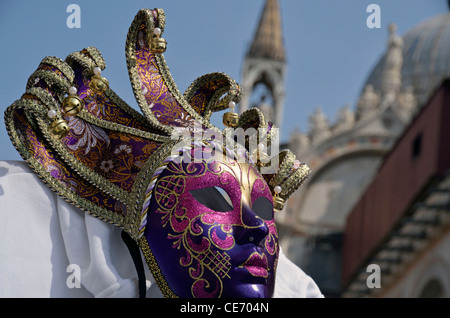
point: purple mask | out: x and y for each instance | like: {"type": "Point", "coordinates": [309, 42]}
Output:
{"type": "Point", "coordinates": [210, 230]}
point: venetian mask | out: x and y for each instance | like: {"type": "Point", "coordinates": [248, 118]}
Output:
{"type": "Point", "coordinates": [206, 227]}
{"type": "Point", "coordinates": [210, 228]}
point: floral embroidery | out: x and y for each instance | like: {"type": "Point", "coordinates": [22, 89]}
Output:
{"type": "Point", "coordinates": [91, 135]}
{"type": "Point", "coordinates": [106, 165]}
{"type": "Point", "coordinates": [122, 148]}
{"type": "Point", "coordinates": [185, 120]}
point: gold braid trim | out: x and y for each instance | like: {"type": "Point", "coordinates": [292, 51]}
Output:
{"type": "Point", "coordinates": [89, 60]}
{"type": "Point", "coordinates": [34, 107]}
{"type": "Point", "coordinates": [216, 102]}
{"type": "Point", "coordinates": [146, 17]}
{"type": "Point", "coordinates": [293, 182]}
{"type": "Point", "coordinates": [143, 16]}
{"type": "Point", "coordinates": [58, 84]}
{"type": "Point", "coordinates": [154, 268]}
{"type": "Point", "coordinates": [61, 65]}
{"type": "Point", "coordinates": [137, 196]}
{"type": "Point", "coordinates": [287, 159]}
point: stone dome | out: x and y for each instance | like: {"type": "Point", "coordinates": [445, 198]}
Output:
{"type": "Point", "coordinates": [426, 58]}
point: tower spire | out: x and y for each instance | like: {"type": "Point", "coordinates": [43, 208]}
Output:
{"type": "Point", "coordinates": [265, 63]}
{"type": "Point", "coordinates": [268, 39]}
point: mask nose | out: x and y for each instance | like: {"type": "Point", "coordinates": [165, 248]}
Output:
{"type": "Point", "coordinates": [254, 231]}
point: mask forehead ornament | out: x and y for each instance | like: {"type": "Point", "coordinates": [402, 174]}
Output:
{"type": "Point", "coordinates": [201, 208]}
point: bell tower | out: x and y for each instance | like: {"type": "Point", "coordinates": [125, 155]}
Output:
{"type": "Point", "coordinates": [264, 66]}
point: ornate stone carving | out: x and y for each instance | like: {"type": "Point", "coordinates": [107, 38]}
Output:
{"type": "Point", "coordinates": [319, 127]}
{"type": "Point", "coordinates": [345, 120]}
{"type": "Point", "coordinates": [392, 73]}
{"type": "Point", "coordinates": [367, 104]}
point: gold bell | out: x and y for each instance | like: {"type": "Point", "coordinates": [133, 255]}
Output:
{"type": "Point", "coordinates": [72, 104]}
{"type": "Point", "coordinates": [59, 128]}
{"type": "Point", "coordinates": [231, 119]}
{"type": "Point", "coordinates": [157, 43]}
{"type": "Point", "coordinates": [98, 83]}
{"type": "Point", "coordinates": [278, 202]}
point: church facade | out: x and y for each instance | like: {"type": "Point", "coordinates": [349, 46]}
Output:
{"type": "Point", "coordinates": [345, 156]}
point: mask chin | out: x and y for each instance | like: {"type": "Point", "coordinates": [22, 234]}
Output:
{"type": "Point", "coordinates": [256, 291]}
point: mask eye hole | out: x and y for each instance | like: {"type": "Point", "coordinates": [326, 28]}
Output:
{"type": "Point", "coordinates": [263, 208]}
{"type": "Point", "coordinates": [214, 198]}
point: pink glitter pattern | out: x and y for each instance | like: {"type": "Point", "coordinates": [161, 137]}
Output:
{"type": "Point", "coordinates": [201, 236]}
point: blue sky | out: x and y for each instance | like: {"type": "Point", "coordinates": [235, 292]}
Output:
{"type": "Point", "coordinates": [330, 49]}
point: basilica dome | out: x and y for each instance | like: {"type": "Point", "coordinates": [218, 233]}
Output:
{"type": "Point", "coordinates": [426, 58]}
